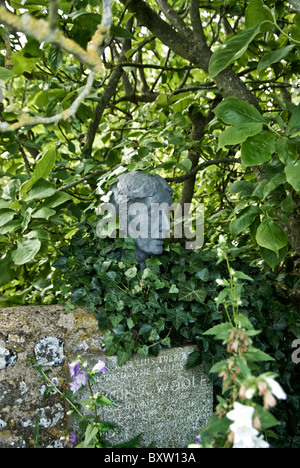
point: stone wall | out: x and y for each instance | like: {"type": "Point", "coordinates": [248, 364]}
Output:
{"type": "Point", "coordinates": [156, 395]}
{"type": "Point", "coordinates": [53, 335]}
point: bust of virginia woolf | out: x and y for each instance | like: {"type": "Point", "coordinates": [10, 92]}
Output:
{"type": "Point", "coordinates": [142, 202]}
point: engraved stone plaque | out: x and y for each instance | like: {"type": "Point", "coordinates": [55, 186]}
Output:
{"type": "Point", "coordinates": [155, 396]}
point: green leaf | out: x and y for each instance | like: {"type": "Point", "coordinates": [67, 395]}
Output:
{"type": "Point", "coordinates": [11, 190]}
{"type": "Point", "coordinates": [6, 272]}
{"type": "Point", "coordinates": [191, 292]}
{"type": "Point", "coordinates": [55, 59]}
{"type": "Point", "coordinates": [274, 57]}
{"type": "Point", "coordinates": [131, 272]}
{"type": "Point", "coordinates": [257, 12]}
{"type": "Point", "coordinates": [293, 176]}
{"type": "Point", "coordinates": [56, 200]}
{"type": "Point", "coordinates": [271, 258]}
{"type": "Point", "coordinates": [244, 219]}
{"type": "Point", "coordinates": [275, 182]}
{"type": "Point", "coordinates": [26, 251]}
{"type": "Point", "coordinates": [124, 356]}
{"type": "Point", "coordinates": [288, 204]}
{"type": "Point", "coordinates": [287, 150]}
{"type": "Point", "coordinates": [256, 355]}
{"type": "Point", "coordinates": [90, 435]}
{"type": "Point", "coordinates": [42, 170]}
{"type": "Point", "coordinates": [294, 124]}
{"type": "Point", "coordinates": [242, 276]}
{"type": "Point", "coordinates": [41, 189]}
{"type": "Point", "coordinates": [176, 138]}
{"type": "Point", "coordinates": [194, 360]}
{"type": "Point", "coordinates": [266, 418]}
{"type": "Point", "coordinates": [6, 216]}
{"type": "Point", "coordinates": [221, 332]}
{"type": "Point", "coordinates": [244, 187]}
{"type": "Point", "coordinates": [232, 50]}
{"type": "Point", "coordinates": [6, 74]}
{"type": "Point", "coordinates": [185, 165]}
{"type": "Point", "coordinates": [234, 111]}
{"type": "Point", "coordinates": [270, 236]}
{"type": "Point", "coordinates": [239, 133]}
{"type": "Point", "coordinates": [117, 31]}
{"type": "Point", "coordinates": [258, 149]}
{"type": "Point", "coordinates": [44, 213]}
{"type": "Point", "coordinates": [177, 316]}
{"type": "Point", "coordinates": [102, 400]}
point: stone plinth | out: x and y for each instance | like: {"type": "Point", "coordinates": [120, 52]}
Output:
{"type": "Point", "coordinates": [156, 396]}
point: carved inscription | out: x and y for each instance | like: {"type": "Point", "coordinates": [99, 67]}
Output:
{"type": "Point", "coordinates": [156, 396]}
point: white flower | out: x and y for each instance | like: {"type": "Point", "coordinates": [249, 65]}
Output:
{"type": "Point", "coordinates": [276, 389]}
{"type": "Point", "coordinates": [244, 436]}
{"type": "Point", "coordinates": [222, 240]}
{"type": "Point", "coordinates": [194, 446]}
{"type": "Point", "coordinates": [242, 415]}
{"type": "Point", "coordinates": [261, 443]}
{"type": "Point", "coordinates": [250, 392]}
{"type": "Point", "coordinates": [222, 282]}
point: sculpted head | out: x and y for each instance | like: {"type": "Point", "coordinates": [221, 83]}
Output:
{"type": "Point", "coordinates": [142, 202]}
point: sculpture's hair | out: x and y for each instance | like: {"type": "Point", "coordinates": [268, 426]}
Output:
{"type": "Point", "coordinates": [135, 186]}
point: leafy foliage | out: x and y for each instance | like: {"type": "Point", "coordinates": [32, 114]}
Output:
{"type": "Point", "coordinates": [207, 96]}
{"type": "Point", "coordinates": [175, 300]}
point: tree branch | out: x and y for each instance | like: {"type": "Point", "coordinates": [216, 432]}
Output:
{"type": "Point", "coordinates": [204, 165]}
{"type": "Point", "coordinates": [41, 31]}
{"type": "Point", "coordinates": [174, 18]}
{"type": "Point", "coordinates": [48, 32]}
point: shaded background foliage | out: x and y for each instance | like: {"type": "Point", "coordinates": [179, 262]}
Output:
{"type": "Point", "coordinates": [204, 93]}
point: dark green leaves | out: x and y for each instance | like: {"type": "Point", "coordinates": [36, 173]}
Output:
{"type": "Point", "coordinates": [191, 292]}
{"type": "Point", "coordinates": [55, 59]}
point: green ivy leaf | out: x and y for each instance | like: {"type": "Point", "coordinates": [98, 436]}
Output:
{"type": "Point", "coordinates": [177, 316]}
{"type": "Point", "coordinates": [131, 272]}
{"type": "Point", "coordinates": [191, 292]}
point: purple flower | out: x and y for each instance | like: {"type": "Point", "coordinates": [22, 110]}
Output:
{"type": "Point", "coordinates": [99, 367]}
{"type": "Point", "coordinates": [73, 438]}
{"type": "Point", "coordinates": [198, 439]}
{"type": "Point", "coordinates": [80, 380]}
{"type": "Point", "coordinates": [74, 368]}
